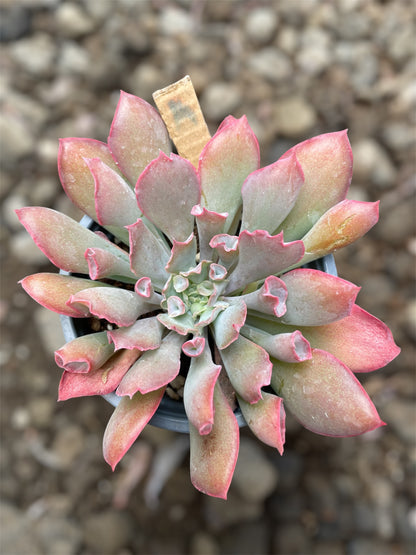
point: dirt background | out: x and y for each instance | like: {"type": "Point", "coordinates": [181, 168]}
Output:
{"type": "Point", "coordinates": [295, 69]}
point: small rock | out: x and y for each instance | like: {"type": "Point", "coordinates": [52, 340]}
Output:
{"type": "Point", "coordinates": [107, 532]}
{"type": "Point", "coordinates": [41, 410]}
{"type": "Point", "coordinates": [400, 415]}
{"type": "Point", "coordinates": [24, 249]}
{"type": "Point", "coordinates": [73, 59]}
{"type": "Point", "coordinates": [255, 476]}
{"type": "Point", "coordinates": [16, 535]}
{"type": "Point", "coordinates": [204, 544]}
{"type": "Point", "coordinates": [220, 99]}
{"type": "Point", "coordinates": [410, 317]}
{"type": "Point", "coordinates": [17, 140]}
{"type": "Point", "coordinates": [49, 329]}
{"type": "Point", "coordinates": [73, 21]}
{"type": "Point", "coordinates": [315, 53]}
{"type": "Point", "coordinates": [365, 546]}
{"type": "Point", "coordinates": [146, 79]}
{"type": "Point", "coordinates": [35, 54]}
{"type": "Point", "coordinates": [271, 64]}
{"type": "Point", "coordinates": [294, 116]}
{"type": "Point", "coordinates": [372, 162]}
{"type": "Point", "coordinates": [219, 514]}
{"type": "Point", "coordinates": [261, 24]}
{"type": "Point", "coordinates": [399, 136]}
{"type": "Point", "coordinates": [10, 204]}
{"type": "Point", "coordinates": [68, 444]}
{"type": "Point", "coordinates": [14, 23]}
{"type": "Point", "coordinates": [174, 21]}
{"type": "Point", "coordinates": [58, 535]}
{"type": "Point", "coordinates": [291, 538]}
{"type": "Point", "coordinates": [246, 539]}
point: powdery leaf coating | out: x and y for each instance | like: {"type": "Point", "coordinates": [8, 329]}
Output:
{"type": "Point", "coordinates": [315, 298]}
{"type": "Point", "coordinates": [270, 298]}
{"type": "Point", "coordinates": [270, 193]}
{"type": "Point", "coordinates": [209, 224]}
{"type": "Point", "coordinates": [325, 396]}
{"type": "Point", "coordinates": [154, 369]}
{"type": "Point", "coordinates": [127, 421]}
{"type": "Point", "coordinates": [326, 161]}
{"type": "Point", "coordinates": [227, 325]}
{"type": "Point", "coordinates": [39, 287]}
{"type": "Point", "coordinates": [100, 381]}
{"type": "Point", "coordinates": [214, 455]}
{"type": "Point", "coordinates": [74, 174]}
{"type": "Point", "coordinates": [248, 367]}
{"type": "Point", "coordinates": [103, 263]}
{"type": "Point", "coordinates": [166, 191]}
{"type": "Point", "coordinates": [361, 341]}
{"type": "Point", "coordinates": [198, 395]}
{"type": "Point", "coordinates": [137, 135]}
{"type": "Point", "coordinates": [183, 255]}
{"type": "Point", "coordinates": [266, 419]}
{"type": "Point", "coordinates": [85, 353]}
{"type": "Point", "coordinates": [289, 347]}
{"type": "Point", "coordinates": [225, 162]}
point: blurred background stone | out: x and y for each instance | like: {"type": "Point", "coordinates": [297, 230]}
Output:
{"type": "Point", "coordinates": [296, 69]}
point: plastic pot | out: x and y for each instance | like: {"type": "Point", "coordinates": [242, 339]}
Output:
{"type": "Point", "coordinates": [170, 414]}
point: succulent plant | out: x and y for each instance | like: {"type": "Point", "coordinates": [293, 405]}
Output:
{"type": "Point", "coordinates": [201, 271]}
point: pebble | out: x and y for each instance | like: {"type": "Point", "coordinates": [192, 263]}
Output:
{"type": "Point", "coordinates": [24, 250]}
{"type": "Point", "coordinates": [204, 544]}
{"type": "Point", "coordinates": [175, 21]}
{"type": "Point", "coordinates": [261, 24]}
{"type": "Point", "coordinates": [400, 415]}
{"type": "Point", "coordinates": [19, 140]}
{"type": "Point", "coordinates": [270, 64]}
{"type": "Point", "coordinates": [219, 514]}
{"type": "Point", "coordinates": [35, 54]}
{"type": "Point", "coordinates": [255, 476]}
{"type": "Point", "coordinates": [220, 99]}
{"type": "Point", "coordinates": [246, 539]}
{"type": "Point", "coordinates": [372, 163]}
{"type": "Point", "coordinates": [50, 331]}
{"type": "Point", "coordinates": [14, 23]}
{"type": "Point", "coordinates": [16, 533]}
{"type": "Point", "coordinates": [291, 539]}
{"type": "Point", "coordinates": [294, 116]}
{"type": "Point", "coordinates": [73, 21]}
{"type": "Point", "coordinates": [68, 445]}
{"type": "Point", "coordinates": [73, 59]}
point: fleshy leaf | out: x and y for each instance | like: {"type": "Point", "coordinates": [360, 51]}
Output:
{"type": "Point", "coordinates": [85, 353]}
{"type": "Point", "coordinates": [103, 263]}
{"type": "Point", "coordinates": [225, 162]}
{"type": "Point", "coordinates": [74, 174]}
{"type": "Point", "coordinates": [316, 298]}
{"type": "Point", "coordinates": [166, 192]}
{"type": "Point", "coordinates": [361, 341]}
{"type": "Point", "coordinates": [214, 455]}
{"type": "Point", "coordinates": [209, 224]}
{"type": "Point", "coordinates": [289, 347]}
{"type": "Point", "coordinates": [270, 298]}
{"type": "Point", "coordinates": [100, 381]}
{"type": "Point", "coordinates": [116, 305]}
{"type": "Point", "coordinates": [182, 256]}
{"type": "Point", "coordinates": [262, 255]}
{"type": "Point", "coordinates": [326, 161]}
{"type": "Point", "coordinates": [109, 185]}
{"type": "Point", "coordinates": [53, 291]}
{"type": "Point", "coordinates": [266, 419]}
{"type": "Point", "coordinates": [198, 395]}
{"type": "Point", "coordinates": [270, 193]}
{"type": "Point", "coordinates": [226, 247]}
{"type": "Point", "coordinates": [183, 324]}
{"type": "Point", "coordinates": [154, 369]}
{"type": "Point", "coordinates": [137, 134]}
{"type": "Point", "coordinates": [340, 226]}
{"type": "Point", "coordinates": [62, 239]}
{"type": "Point", "coordinates": [145, 334]}
{"type": "Point", "coordinates": [194, 347]}
{"type": "Point", "coordinates": [248, 367]}
{"type": "Point", "coordinates": [325, 396]}
{"type": "Point", "coordinates": [127, 421]}
{"type": "Point", "coordinates": [148, 256]}
{"type": "Point", "coordinates": [228, 323]}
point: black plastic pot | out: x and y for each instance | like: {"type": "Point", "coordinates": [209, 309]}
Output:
{"type": "Point", "coordinates": [170, 414]}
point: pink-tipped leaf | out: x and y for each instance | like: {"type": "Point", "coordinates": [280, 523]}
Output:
{"type": "Point", "coordinates": [85, 353]}
{"type": "Point", "coordinates": [166, 192]}
{"type": "Point", "coordinates": [261, 255]}
{"type": "Point", "coordinates": [270, 193]}
{"type": "Point", "coordinates": [266, 419]}
{"type": "Point", "coordinates": [227, 325]}
{"type": "Point", "coordinates": [326, 161]}
{"type": "Point", "coordinates": [154, 369]}
{"type": "Point", "coordinates": [225, 162]}
{"type": "Point", "coordinates": [53, 291]}
{"type": "Point", "coordinates": [325, 396]}
{"type": "Point", "coordinates": [127, 421]}
{"type": "Point", "coordinates": [316, 298]}
{"type": "Point", "coordinates": [361, 341]}
{"type": "Point", "coordinates": [214, 455]}
{"type": "Point", "coordinates": [209, 224]}
{"type": "Point", "coordinates": [103, 263]}
{"type": "Point", "coordinates": [289, 347]}
{"type": "Point", "coordinates": [137, 135]}
{"type": "Point", "coordinates": [62, 239]}
{"type": "Point", "coordinates": [145, 335]}
{"type": "Point", "coordinates": [74, 173]}
{"type": "Point", "coordinates": [100, 381]}
{"type": "Point", "coordinates": [270, 298]}
{"type": "Point", "coordinates": [340, 226]}
{"type": "Point", "coordinates": [182, 256]}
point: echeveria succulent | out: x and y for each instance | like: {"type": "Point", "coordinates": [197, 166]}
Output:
{"type": "Point", "coordinates": [199, 270]}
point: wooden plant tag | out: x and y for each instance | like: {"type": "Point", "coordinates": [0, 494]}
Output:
{"type": "Point", "coordinates": [180, 110]}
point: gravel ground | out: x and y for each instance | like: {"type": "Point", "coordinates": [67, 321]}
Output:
{"type": "Point", "coordinates": [295, 69]}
